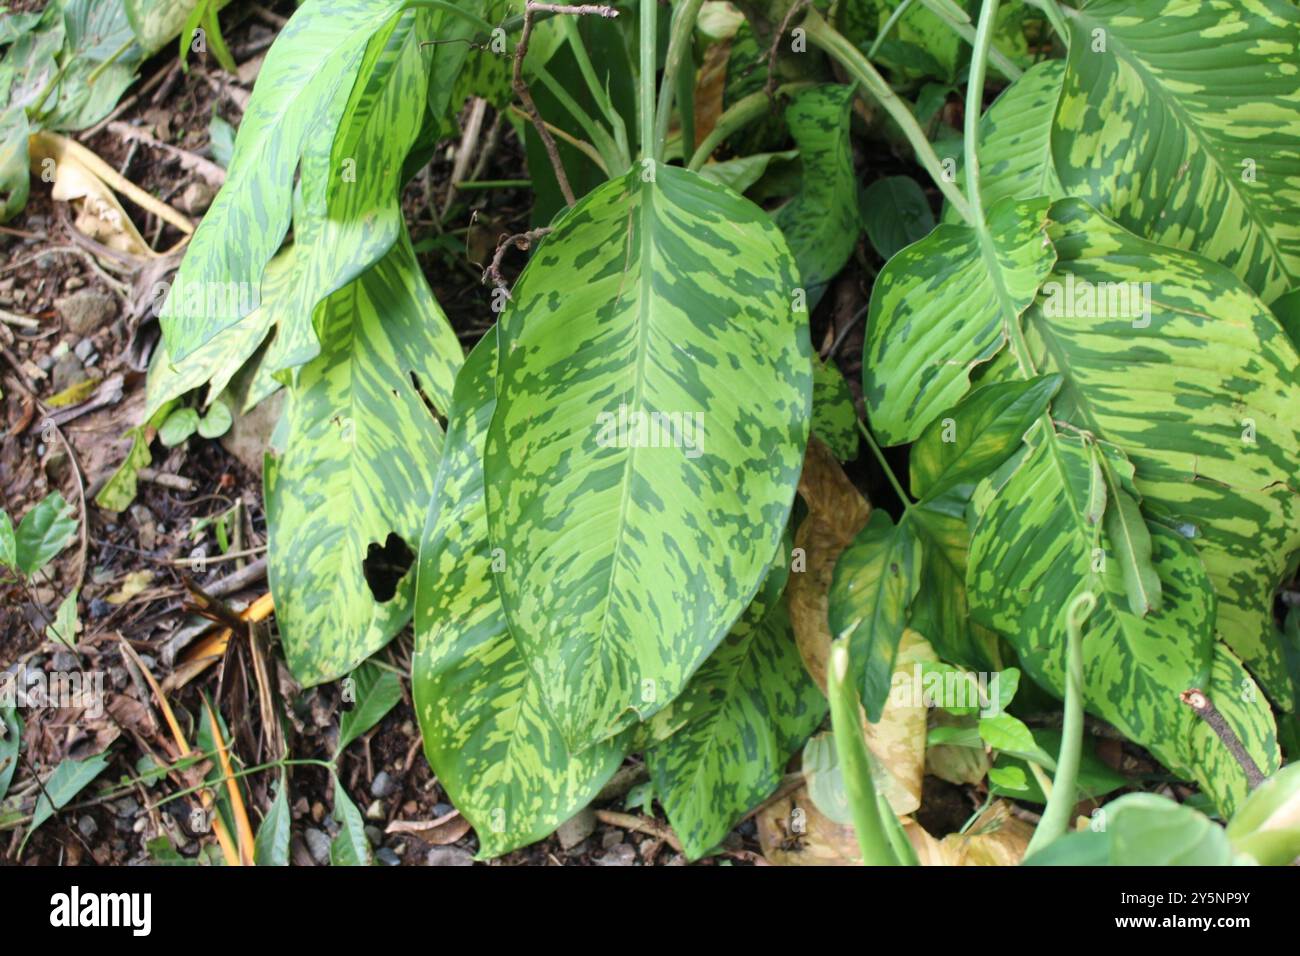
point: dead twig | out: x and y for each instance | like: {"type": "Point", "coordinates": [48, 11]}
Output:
{"type": "Point", "coordinates": [1204, 708]}
{"type": "Point", "coordinates": [629, 821]}
{"type": "Point", "coordinates": [523, 241]}
{"type": "Point", "coordinates": [526, 97]}
{"type": "Point", "coordinates": [795, 8]}
{"type": "Point", "coordinates": [192, 162]}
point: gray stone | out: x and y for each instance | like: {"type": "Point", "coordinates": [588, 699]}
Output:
{"type": "Point", "coordinates": [387, 857]}
{"type": "Point", "coordinates": [610, 838]}
{"type": "Point", "coordinates": [382, 785]}
{"type": "Point", "coordinates": [65, 661]}
{"type": "Point", "coordinates": [620, 855]}
{"type": "Point", "coordinates": [577, 828]}
{"type": "Point", "coordinates": [196, 198]}
{"type": "Point", "coordinates": [449, 856]}
{"type": "Point", "coordinates": [374, 835]}
{"type": "Point", "coordinates": [67, 372]}
{"type": "Point", "coordinates": [318, 845]}
{"type": "Point", "coordinates": [377, 811]}
{"type": "Point", "coordinates": [86, 310]}
{"type": "Point", "coordinates": [87, 826]}
{"type": "Point", "coordinates": [85, 349]}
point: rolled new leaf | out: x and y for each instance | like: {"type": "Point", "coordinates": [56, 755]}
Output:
{"type": "Point", "coordinates": [855, 763]}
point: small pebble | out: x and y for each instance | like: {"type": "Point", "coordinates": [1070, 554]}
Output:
{"type": "Point", "coordinates": [610, 838]}
{"type": "Point", "coordinates": [87, 826]}
{"type": "Point", "coordinates": [374, 835]}
{"type": "Point", "coordinates": [318, 845]}
{"type": "Point", "coordinates": [382, 785]}
{"type": "Point", "coordinates": [449, 856]}
{"type": "Point", "coordinates": [620, 855]}
{"type": "Point", "coordinates": [387, 857]}
{"type": "Point", "coordinates": [377, 811]}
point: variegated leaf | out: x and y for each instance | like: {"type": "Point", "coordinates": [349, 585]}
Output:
{"type": "Point", "coordinates": [748, 708]}
{"type": "Point", "coordinates": [155, 22]}
{"type": "Point", "coordinates": [821, 222]}
{"type": "Point", "coordinates": [217, 361]}
{"type": "Point", "coordinates": [487, 734]}
{"type": "Point", "coordinates": [965, 444]}
{"type": "Point", "coordinates": [957, 450]}
{"type": "Point", "coordinates": [350, 214]}
{"type": "Point", "coordinates": [1015, 147]}
{"type": "Point", "coordinates": [318, 52]}
{"type": "Point", "coordinates": [1180, 119]}
{"type": "Point", "coordinates": [1173, 359]}
{"type": "Point", "coordinates": [876, 579]}
{"type": "Point", "coordinates": [627, 560]}
{"type": "Point", "coordinates": [835, 420]}
{"type": "Point", "coordinates": [1039, 540]}
{"type": "Point", "coordinates": [941, 306]}
{"type": "Point", "coordinates": [346, 503]}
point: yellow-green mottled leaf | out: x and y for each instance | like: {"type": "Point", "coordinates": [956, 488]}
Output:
{"type": "Point", "coordinates": [346, 502]}
{"type": "Point", "coordinates": [632, 544]}
{"type": "Point", "coordinates": [876, 579]}
{"type": "Point", "coordinates": [940, 307]}
{"type": "Point", "coordinates": [489, 738]}
{"type": "Point", "coordinates": [744, 714]}
{"type": "Point", "coordinates": [1180, 119]}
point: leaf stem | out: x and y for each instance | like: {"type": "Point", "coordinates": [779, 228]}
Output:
{"type": "Point", "coordinates": [855, 761]}
{"type": "Point", "coordinates": [1060, 804]}
{"type": "Point", "coordinates": [646, 81]}
{"type": "Point", "coordinates": [859, 67]}
{"type": "Point", "coordinates": [889, 472]}
{"type": "Point", "coordinates": [678, 43]}
{"type": "Point", "coordinates": [738, 115]}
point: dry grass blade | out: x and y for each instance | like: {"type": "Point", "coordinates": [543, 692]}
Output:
{"type": "Point", "coordinates": [205, 797]}
{"type": "Point", "coordinates": [242, 825]}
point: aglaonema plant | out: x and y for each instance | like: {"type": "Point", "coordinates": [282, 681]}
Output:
{"type": "Point", "coordinates": [1097, 397]}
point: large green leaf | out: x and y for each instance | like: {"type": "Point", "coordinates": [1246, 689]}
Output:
{"type": "Point", "coordinates": [626, 563]}
{"type": "Point", "coordinates": [1201, 397]}
{"type": "Point", "coordinates": [1039, 541]}
{"type": "Point", "coordinates": [744, 714]}
{"type": "Point", "coordinates": [217, 361]}
{"type": "Point", "coordinates": [487, 734]}
{"type": "Point", "coordinates": [1181, 120]}
{"type": "Point", "coordinates": [821, 222]}
{"type": "Point", "coordinates": [350, 213]}
{"type": "Point", "coordinates": [1015, 140]}
{"type": "Point", "coordinates": [876, 579]}
{"type": "Point", "coordinates": [941, 306]}
{"type": "Point", "coordinates": [953, 454]}
{"type": "Point", "coordinates": [318, 52]}
{"type": "Point", "coordinates": [358, 469]}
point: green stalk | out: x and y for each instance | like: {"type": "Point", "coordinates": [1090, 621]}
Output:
{"type": "Point", "coordinates": [1054, 17]}
{"type": "Point", "coordinates": [737, 116]}
{"type": "Point", "coordinates": [963, 29]}
{"type": "Point", "coordinates": [678, 43]}
{"type": "Point", "coordinates": [646, 80]}
{"type": "Point", "coordinates": [889, 25]}
{"type": "Point", "coordinates": [855, 762]}
{"type": "Point", "coordinates": [823, 35]}
{"type": "Point", "coordinates": [889, 472]}
{"type": "Point", "coordinates": [1060, 805]}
